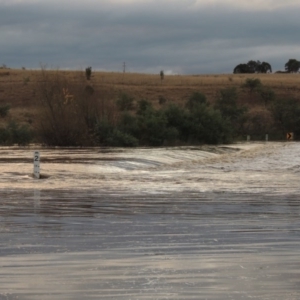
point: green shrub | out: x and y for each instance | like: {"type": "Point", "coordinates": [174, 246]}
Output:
{"type": "Point", "coordinates": [152, 126]}
{"type": "Point", "coordinates": [207, 126]}
{"type": "Point", "coordinates": [252, 84]}
{"type": "Point", "coordinates": [266, 94]}
{"type": "Point", "coordinates": [19, 134]}
{"type": "Point", "coordinates": [108, 135]}
{"type": "Point", "coordinates": [103, 131]}
{"type": "Point", "coordinates": [143, 106]}
{"type": "Point", "coordinates": [259, 121]}
{"type": "Point", "coordinates": [172, 125]}
{"type": "Point", "coordinates": [162, 100]}
{"type": "Point", "coordinates": [4, 136]}
{"type": "Point", "coordinates": [286, 113]}
{"type": "Point", "coordinates": [195, 100]}
{"type": "Point", "coordinates": [128, 124]}
{"type": "Point", "coordinates": [121, 139]}
{"type": "Point", "coordinates": [4, 109]}
{"type": "Point", "coordinates": [178, 118]}
{"type": "Point", "coordinates": [226, 103]}
{"type": "Point", "coordinates": [15, 134]}
{"type": "Point", "coordinates": [202, 124]}
{"type": "Point", "coordinates": [125, 102]}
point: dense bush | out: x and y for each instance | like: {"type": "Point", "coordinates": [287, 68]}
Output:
{"type": "Point", "coordinates": [121, 139]}
{"type": "Point", "coordinates": [252, 84]}
{"type": "Point", "coordinates": [178, 121]}
{"type": "Point", "coordinates": [4, 109]}
{"type": "Point", "coordinates": [142, 106]}
{"type": "Point", "coordinates": [14, 133]}
{"type": "Point", "coordinates": [128, 123]}
{"type": "Point", "coordinates": [152, 125]}
{"type": "Point", "coordinates": [258, 123]}
{"type": "Point", "coordinates": [286, 112]}
{"type": "Point", "coordinates": [108, 135]}
{"type": "Point", "coordinates": [162, 100]}
{"type": "Point", "coordinates": [68, 110]}
{"type": "Point", "coordinates": [196, 99]}
{"type": "Point", "coordinates": [226, 103]}
{"type": "Point", "coordinates": [172, 125]}
{"type": "Point", "coordinates": [266, 94]}
{"type": "Point", "coordinates": [102, 131]}
{"type": "Point", "coordinates": [153, 128]}
{"type": "Point", "coordinates": [207, 126]}
{"type": "Point", "coordinates": [125, 102]}
{"type": "Point", "coordinates": [197, 123]}
{"type": "Point", "coordinates": [19, 134]}
{"type": "Point", "coordinates": [4, 136]}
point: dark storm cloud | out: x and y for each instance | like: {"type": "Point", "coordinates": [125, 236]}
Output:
{"type": "Point", "coordinates": [176, 37]}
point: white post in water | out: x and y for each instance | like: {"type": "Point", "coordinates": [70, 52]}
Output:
{"type": "Point", "coordinates": [267, 137]}
{"type": "Point", "coordinates": [248, 138]}
{"type": "Point", "coordinates": [36, 164]}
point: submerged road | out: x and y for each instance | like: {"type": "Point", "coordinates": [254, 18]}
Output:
{"type": "Point", "coordinates": [123, 235]}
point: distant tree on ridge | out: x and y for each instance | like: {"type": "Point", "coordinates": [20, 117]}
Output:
{"type": "Point", "coordinates": [253, 67]}
{"type": "Point", "coordinates": [292, 66]}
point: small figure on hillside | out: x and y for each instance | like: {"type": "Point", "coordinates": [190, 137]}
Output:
{"type": "Point", "coordinates": [162, 75]}
{"type": "Point", "coordinates": [88, 73]}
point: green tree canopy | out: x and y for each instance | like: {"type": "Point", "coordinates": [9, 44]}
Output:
{"type": "Point", "coordinates": [292, 66]}
{"type": "Point", "coordinates": [241, 68]}
{"type": "Point", "coordinates": [253, 66]}
{"type": "Point", "coordinates": [264, 67]}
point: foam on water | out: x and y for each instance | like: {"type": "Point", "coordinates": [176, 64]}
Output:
{"type": "Point", "coordinates": [265, 167]}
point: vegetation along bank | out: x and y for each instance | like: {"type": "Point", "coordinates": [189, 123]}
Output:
{"type": "Point", "coordinates": [85, 108]}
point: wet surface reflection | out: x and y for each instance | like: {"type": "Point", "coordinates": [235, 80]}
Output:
{"type": "Point", "coordinates": [180, 246]}
{"type": "Point", "coordinates": [113, 240]}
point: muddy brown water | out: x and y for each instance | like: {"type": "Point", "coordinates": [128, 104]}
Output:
{"type": "Point", "coordinates": [168, 223]}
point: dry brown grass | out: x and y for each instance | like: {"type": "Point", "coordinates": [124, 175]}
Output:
{"type": "Point", "coordinates": [18, 87]}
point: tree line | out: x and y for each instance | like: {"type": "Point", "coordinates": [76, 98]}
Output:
{"type": "Point", "coordinates": [252, 66]}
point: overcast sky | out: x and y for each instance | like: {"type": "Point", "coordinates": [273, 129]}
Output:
{"type": "Point", "coordinates": [177, 36]}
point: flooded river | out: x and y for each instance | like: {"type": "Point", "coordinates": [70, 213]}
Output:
{"type": "Point", "coordinates": [169, 223]}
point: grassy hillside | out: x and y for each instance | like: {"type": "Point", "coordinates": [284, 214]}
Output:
{"type": "Point", "coordinates": [19, 89]}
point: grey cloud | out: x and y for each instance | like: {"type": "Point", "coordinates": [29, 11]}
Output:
{"type": "Point", "coordinates": [203, 40]}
